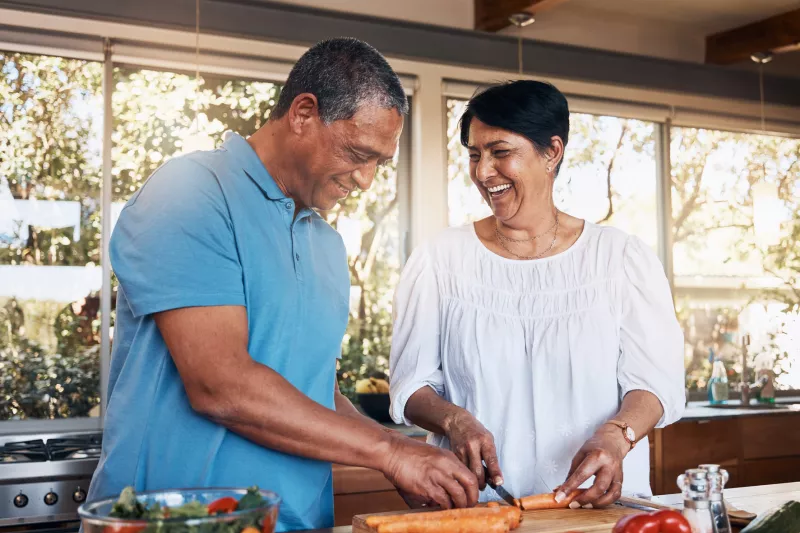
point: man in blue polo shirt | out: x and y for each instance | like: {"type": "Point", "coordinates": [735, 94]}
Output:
{"type": "Point", "coordinates": [233, 302]}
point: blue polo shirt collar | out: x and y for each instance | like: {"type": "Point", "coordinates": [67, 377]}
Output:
{"type": "Point", "coordinates": [252, 165]}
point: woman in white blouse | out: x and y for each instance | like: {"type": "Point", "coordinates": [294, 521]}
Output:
{"type": "Point", "coordinates": [537, 343]}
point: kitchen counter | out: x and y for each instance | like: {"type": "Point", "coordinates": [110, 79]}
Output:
{"type": "Point", "coordinates": [694, 411]}
{"type": "Point", "coordinates": [753, 499]}
{"type": "Point", "coordinates": [704, 410]}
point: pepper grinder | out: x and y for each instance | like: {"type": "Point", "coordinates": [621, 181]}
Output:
{"type": "Point", "coordinates": [717, 478]}
{"type": "Point", "coordinates": [696, 506]}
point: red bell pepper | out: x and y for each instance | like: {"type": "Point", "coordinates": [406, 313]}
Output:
{"type": "Point", "coordinates": [666, 521]}
{"type": "Point", "coordinates": [223, 505]}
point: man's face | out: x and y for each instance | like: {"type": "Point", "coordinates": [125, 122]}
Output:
{"type": "Point", "coordinates": [336, 158]}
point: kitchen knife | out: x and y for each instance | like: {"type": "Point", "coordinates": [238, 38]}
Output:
{"type": "Point", "coordinates": [503, 493]}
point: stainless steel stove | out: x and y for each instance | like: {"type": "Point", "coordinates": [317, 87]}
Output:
{"type": "Point", "coordinates": [44, 478]}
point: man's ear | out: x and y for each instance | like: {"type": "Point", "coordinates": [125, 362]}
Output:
{"type": "Point", "coordinates": [304, 110]}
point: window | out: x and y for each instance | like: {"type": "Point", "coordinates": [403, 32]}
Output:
{"type": "Point", "coordinates": [369, 224]}
{"type": "Point", "coordinates": [608, 175]}
{"type": "Point", "coordinates": [154, 111]}
{"type": "Point", "coordinates": [735, 210]}
{"type": "Point", "coordinates": [50, 276]}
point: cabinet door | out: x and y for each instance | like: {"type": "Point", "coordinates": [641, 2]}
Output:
{"type": "Point", "coordinates": [688, 444]}
{"type": "Point", "coordinates": [770, 471]}
{"type": "Point", "coordinates": [770, 436]}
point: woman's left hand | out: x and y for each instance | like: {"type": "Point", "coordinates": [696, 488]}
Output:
{"type": "Point", "coordinates": [601, 456]}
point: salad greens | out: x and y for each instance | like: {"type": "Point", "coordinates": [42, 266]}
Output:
{"type": "Point", "coordinates": [162, 518]}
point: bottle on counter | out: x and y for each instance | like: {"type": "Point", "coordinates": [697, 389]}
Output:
{"type": "Point", "coordinates": [718, 388]}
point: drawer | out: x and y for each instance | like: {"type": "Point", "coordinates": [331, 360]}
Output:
{"type": "Point", "coordinates": [688, 444]}
{"type": "Point", "coordinates": [770, 471]}
{"type": "Point", "coordinates": [770, 436]}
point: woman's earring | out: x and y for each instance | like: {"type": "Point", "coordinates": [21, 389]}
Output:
{"type": "Point", "coordinates": [549, 169]}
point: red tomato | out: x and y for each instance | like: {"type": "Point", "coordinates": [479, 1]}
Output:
{"type": "Point", "coordinates": [666, 521]}
{"type": "Point", "coordinates": [268, 526]}
{"type": "Point", "coordinates": [223, 505]}
{"type": "Point", "coordinates": [672, 522]}
{"type": "Point", "coordinates": [638, 523]}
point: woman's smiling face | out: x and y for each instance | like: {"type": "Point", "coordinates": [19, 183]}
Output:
{"type": "Point", "coordinates": [507, 169]}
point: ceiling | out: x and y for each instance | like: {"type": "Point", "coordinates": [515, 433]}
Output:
{"type": "Point", "coordinates": [708, 16]}
{"type": "Point", "coordinates": [669, 29]}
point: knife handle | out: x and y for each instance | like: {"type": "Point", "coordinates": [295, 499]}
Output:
{"type": "Point", "coordinates": [488, 478]}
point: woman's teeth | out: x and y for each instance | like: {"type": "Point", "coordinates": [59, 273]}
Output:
{"type": "Point", "coordinates": [499, 188]}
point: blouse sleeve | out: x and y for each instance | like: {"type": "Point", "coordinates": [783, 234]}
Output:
{"type": "Point", "coordinates": [651, 357]}
{"type": "Point", "coordinates": [415, 361]}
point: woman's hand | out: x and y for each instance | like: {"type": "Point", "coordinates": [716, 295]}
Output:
{"type": "Point", "coordinates": [601, 456]}
{"type": "Point", "coordinates": [473, 445]}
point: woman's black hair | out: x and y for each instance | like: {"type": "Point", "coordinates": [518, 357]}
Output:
{"type": "Point", "coordinates": [534, 109]}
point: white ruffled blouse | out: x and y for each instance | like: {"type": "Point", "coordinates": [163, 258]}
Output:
{"type": "Point", "coordinates": [540, 351]}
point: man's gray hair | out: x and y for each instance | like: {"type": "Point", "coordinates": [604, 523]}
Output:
{"type": "Point", "coordinates": [343, 74]}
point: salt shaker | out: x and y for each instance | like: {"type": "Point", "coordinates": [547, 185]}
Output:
{"type": "Point", "coordinates": [717, 478]}
{"type": "Point", "coordinates": [696, 506]}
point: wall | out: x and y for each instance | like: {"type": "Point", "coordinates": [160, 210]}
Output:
{"type": "Point", "coordinates": [450, 13]}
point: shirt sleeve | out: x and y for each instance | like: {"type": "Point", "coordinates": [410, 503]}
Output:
{"type": "Point", "coordinates": [415, 360]}
{"type": "Point", "coordinates": [651, 357]}
{"type": "Point", "coordinates": [173, 245]}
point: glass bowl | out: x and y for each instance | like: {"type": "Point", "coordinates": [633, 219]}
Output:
{"type": "Point", "coordinates": [95, 515]}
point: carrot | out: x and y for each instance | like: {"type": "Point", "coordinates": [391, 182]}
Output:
{"type": "Point", "coordinates": [509, 514]}
{"type": "Point", "coordinates": [547, 501]}
{"type": "Point", "coordinates": [492, 504]}
{"type": "Point", "coordinates": [375, 521]}
{"type": "Point", "coordinates": [470, 524]}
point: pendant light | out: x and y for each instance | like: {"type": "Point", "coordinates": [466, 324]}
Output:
{"type": "Point", "coordinates": [520, 20]}
{"type": "Point", "coordinates": [197, 139]}
{"type": "Point", "coordinates": [767, 207]}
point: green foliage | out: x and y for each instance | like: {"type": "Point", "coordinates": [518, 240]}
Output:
{"type": "Point", "coordinates": [374, 263]}
{"type": "Point", "coordinates": [50, 120]}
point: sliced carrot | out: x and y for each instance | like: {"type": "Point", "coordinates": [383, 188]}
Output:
{"type": "Point", "coordinates": [492, 504]}
{"type": "Point", "coordinates": [547, 501]}
{"type": "Point", "coordinates": [471, 524]}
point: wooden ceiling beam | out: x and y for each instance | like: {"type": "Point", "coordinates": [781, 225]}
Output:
{"type": "Point", "coordinates": [492, 15]}
{"type": "Point", "coordinates": [776, 34]}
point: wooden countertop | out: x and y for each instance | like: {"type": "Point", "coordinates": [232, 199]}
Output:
{"type": "Point", "coordinates": [753, 499]}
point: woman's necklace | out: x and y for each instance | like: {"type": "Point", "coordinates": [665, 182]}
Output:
{"type": "Point", "coordinates": [542, 234]}
{"type": "Point", "coordinates": [502, 239]}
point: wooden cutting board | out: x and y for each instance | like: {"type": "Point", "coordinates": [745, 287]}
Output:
{"type": "Point", "coordinates": [550, 521]}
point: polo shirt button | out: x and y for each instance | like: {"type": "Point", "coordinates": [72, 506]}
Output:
{"type": "Point", "coordinates": [297, 256]}
{"type": "Point", "coordinates": [289, 206]}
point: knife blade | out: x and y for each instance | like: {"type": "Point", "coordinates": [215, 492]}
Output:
{"type": "Point", "coordinates": [503, 493]}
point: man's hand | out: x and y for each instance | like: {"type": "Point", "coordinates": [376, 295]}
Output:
{"type": "Point", "coordinates": [601, 456]}
{"type": "Point", "coordinates": [473, 445]}
{"type": "Point", "coordinates": [425, 474]}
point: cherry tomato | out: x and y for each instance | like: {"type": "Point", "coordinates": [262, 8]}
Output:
{"type": "Point", "coordinates": [223, 505]}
